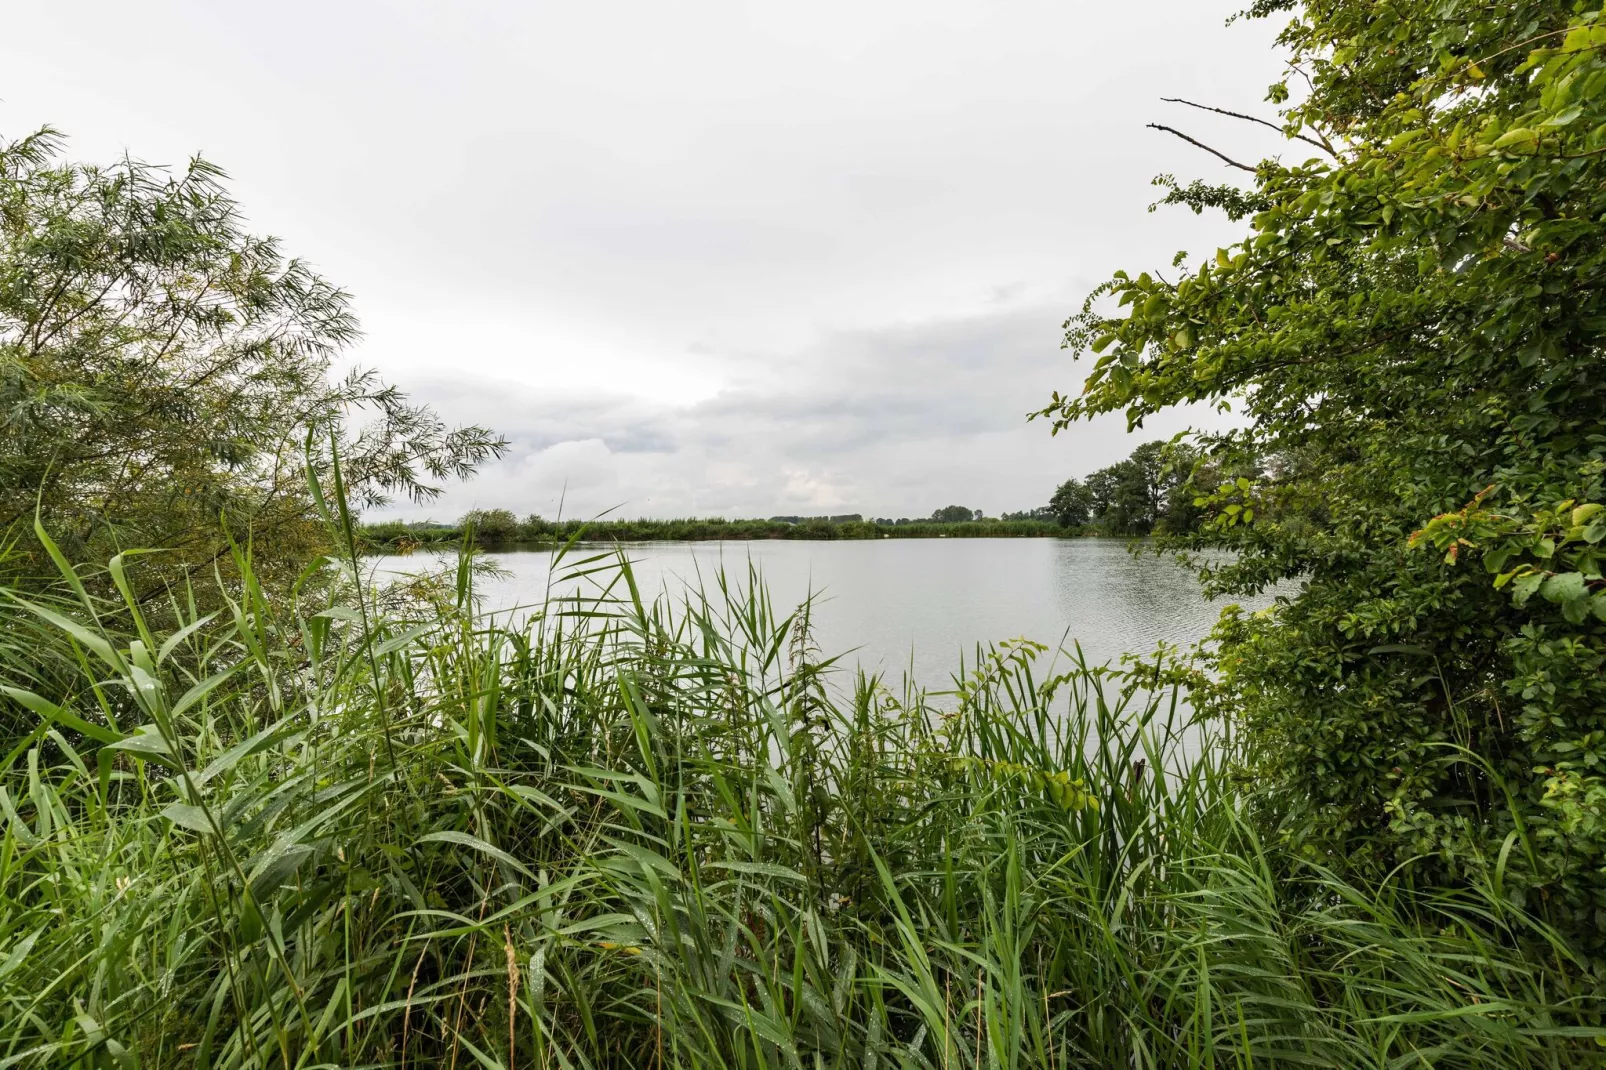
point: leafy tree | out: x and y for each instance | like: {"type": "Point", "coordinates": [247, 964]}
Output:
{"type": "Point", "coordinates": [1413, 327]}
{"type": "Point", "coordinates": [493, 525]}
{"type": "Point", "coordinates": [955, 514]}
{"type": "Point", "coordinates": [161, 369]}
{"type": "Point", "coordinates": [1072, 504]}
{"type": "Point", "coordinates": [1126, 496]}
{"type": "Point", "coordinates": [1148, 491]}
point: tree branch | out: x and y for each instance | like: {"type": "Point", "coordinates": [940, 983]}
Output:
{"type": "Point", "coordinates": [1252, 119]}
{"type": "Point", "coordinates": [1199, 144]}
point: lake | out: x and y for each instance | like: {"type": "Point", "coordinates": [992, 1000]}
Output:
{"type": "Point", "coordinates": [896, 605]}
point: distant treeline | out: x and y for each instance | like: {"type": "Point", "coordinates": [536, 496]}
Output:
{"type": "Point", "coordinates": [501, 527]}
{"type": "Point", "coordinates": [1151, 491]}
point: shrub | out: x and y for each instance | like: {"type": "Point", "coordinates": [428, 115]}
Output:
{"type": "Point", "coordinates": [1412, 330]}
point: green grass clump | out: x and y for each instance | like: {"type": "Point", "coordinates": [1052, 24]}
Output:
{"type": "Point", "coordinates": [346, 831]}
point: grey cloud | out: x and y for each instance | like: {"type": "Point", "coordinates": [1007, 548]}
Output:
{"type": "Point", "coordinates": [693, 258]}
{"type": "Point", "coordinates": [897, 420]}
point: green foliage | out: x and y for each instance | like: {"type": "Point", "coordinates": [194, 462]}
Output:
{"type": "Point", "coordinates": [1072, 504]}
{"type": "Point", "coordinates": [1413, 322]}
{"type": "Point", "coordinates": [160, 369]}
{"type": "Point", "coordinates": [1151, 490]}
{"type": "Point", "coordinates": [492, 525]}
{"type": "Point", "coordinates": [624, 835]}
{"type": "Point", "coordinates": [955, 514]}
{"type": "Point", "coordinates": [1235, 203]}
{"type": "Point", "coordinates": [396, 535]}
{"type": "Point", "coordinates": [1042, 512]}
{"type": "Point", "coordinates": [1128, 497]}
{"type": "Point", "coordinates": [839, 518]}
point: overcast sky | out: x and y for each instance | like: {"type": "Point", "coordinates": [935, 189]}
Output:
{"type": "Point", "coordinates": [701, 257]}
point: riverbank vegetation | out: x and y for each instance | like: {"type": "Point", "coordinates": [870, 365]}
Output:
{"type": "Point", "coordinates": [499, 528]}
{"type": "Point", "coordinates": [160, 368]}
{"type": "Point", "coordinates": [333, 832]}
{"type": "Point", "coordinates": [1150, 491]}
{"type": "Point", "coordinates": [1413, 328]}
{"type": "Point", "coordinates": [258, 811]}
{"type": "Point", "coordinates": [1153, 491]}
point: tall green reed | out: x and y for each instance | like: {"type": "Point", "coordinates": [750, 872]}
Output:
{"type": "Point", "coordinates": [340, 830]}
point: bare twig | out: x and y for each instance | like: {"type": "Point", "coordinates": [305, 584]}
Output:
{"type": "Point", "coordinates": [1199, 144]}
{"type": "Point", "coordinates": [1252, 119]}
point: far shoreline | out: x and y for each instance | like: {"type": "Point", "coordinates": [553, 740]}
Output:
{"type": "Point", "coordinates": [395, 537]}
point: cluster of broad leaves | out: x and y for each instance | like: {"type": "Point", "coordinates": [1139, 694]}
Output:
{"type": "Point", "coordinates": [161, 368]}
{"type": "Point", "coordinates": [1411, 331]}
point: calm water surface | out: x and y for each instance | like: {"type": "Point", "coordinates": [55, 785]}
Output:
{"type": "Point", "coordinates": [920, 604]}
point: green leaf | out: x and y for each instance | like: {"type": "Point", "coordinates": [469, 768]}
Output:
{"type": "Point", "coordinates": [1524, 586]}
{"type": "Point", "coordinates": [1564, 587]}
{"type": "Point", "coordinates": [1576, 611]}
{"type": "Point", "coordinates": [395, 643]}
{"type": "Point", "coordinates": [275, 866]}
{"type": "Point", "coordinates": [1565, 117]}
{"type": "Point", "coordinates": [244, 749]}
{"type": "Point", "coordinates": [189, 817]}
{"type": "Point", "coordinates": [1583, 514]}
{"type": "Point", "coordinates": [89, 639]}
{"type": "Point", "coordinates": [463, 839]}
{"type": "Point", "coordinates": [19, 952]}
{"type": "Point", "coordinates": [1400, 141]}
{"type": "Point", "coordinates": [146, 742]}
{"type": "Point", "coordinates": [764, 869]}
{"type": "Point", "coordinates": [182, 634]}
{"type": "Point", "coordinates": [1401, 648]}
{"type": "Point", "coordinates": [61, 715]}
{"type": "Point", "coordinates": [199, 691]}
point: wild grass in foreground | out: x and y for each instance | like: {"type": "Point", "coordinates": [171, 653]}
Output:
{"type": "Point", "coordinates": [632, 834]}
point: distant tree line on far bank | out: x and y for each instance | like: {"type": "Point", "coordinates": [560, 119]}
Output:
{"type": "Point", "coordinates": [1151, 491]}
{"type": "Point", "coordinates": [501, 527]}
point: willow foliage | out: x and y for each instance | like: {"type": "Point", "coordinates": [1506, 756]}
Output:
{"type": "Point", "coordinates": [161, 368]}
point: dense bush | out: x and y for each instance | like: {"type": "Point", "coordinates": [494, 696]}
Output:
{"type": "Point", "coordinates": [492, 525]}
{"type": "Point", "coordinates": [1413, 328]}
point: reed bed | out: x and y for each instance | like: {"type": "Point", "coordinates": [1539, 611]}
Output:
{"type": "Point", "coordinates": [352, 828]}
